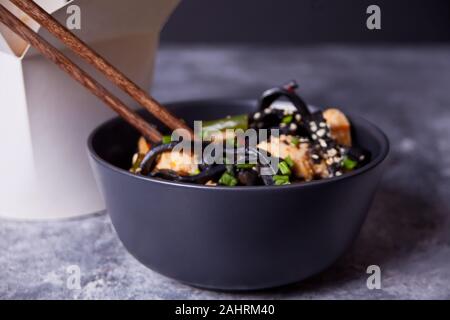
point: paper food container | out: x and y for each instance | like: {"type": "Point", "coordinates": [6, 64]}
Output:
{"type": "Point", "coordinates": [46, 117]}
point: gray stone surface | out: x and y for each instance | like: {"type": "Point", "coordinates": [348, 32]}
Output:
{"type": "Point", "coordinates": [404, 90]}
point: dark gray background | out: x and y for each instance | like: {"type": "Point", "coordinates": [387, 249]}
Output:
{"type": "Point", "coordinates": [307, 21]}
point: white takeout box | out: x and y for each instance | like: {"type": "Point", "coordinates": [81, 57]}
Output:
{"type": "Point", "coordinates": [46, 117]}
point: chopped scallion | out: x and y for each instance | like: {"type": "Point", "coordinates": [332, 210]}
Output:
{"type": "Point", "coordinates": [166, 139]}
{"type": "Point", "coordinates": [287, 119]}
{"type": "Point", "coordinates": [281, 180]}
{"type": "Point", "coordinates": [289, 161]}
{"type": "Point", "coordinates": [349, 164]}
{"type": "Point", "coordinates": [295, 141]}
{"type": "Point", "coordinates": [284, 168]}
{"type": "Point", "coordinates": [228, 179]}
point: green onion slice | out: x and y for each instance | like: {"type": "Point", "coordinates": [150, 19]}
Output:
{"type": "Point", "coordinates": [349, 164]}
{"type": "Point", "coordinates": [228, 179]}
{"type": "Point", "coordinates": [284, 168]}
{"type": "Point", "coordinates": [166, 139]}
{"type": "Point", "coordinates": [287, 119]}
{"type": "Point", "coordinates": [295, 141]}
{"type": "Point", "coordinates": [281, 180]}
{"type": "Point", "coordinates": [289, 161]}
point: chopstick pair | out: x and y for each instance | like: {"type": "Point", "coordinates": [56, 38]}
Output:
{"type": "Point", "coordinates": [93, 58]}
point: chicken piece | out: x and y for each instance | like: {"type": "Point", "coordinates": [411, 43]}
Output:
{"type": "Point", "coordinates": [143, 146]}
{"type": "Point", "coordinates": [282, 148]}
{"type": "Point", "coordinates": [181, 162]}
{"type": "Point", "coordinates": [321, 170]}
{"type": "Point", "coordinates": [339, 126]}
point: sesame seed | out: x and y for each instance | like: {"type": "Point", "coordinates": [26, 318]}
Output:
{"type": "Point", "coordinates": [314, 137]}
{"type": "Point", "coordinates": [332, 152]}
{"type": "Point", "coordinates": [315, 157]}
{"type": "Point", "coordinates": [323, 144]}
{"type": "Point", "coordinates": [257, 115]}
{"type": "Point", "coordinates": [293, 126]}
{"type": "Point", "coordinates": [329, 162]}
{"type": "Point", "coordinates": [282, 125]}
{"type": "Point", "coordinates": [321, 132]}
{"type": "Point", "coordinates": [338, 173]}
{"type": "Point", "coordinates": [267, 110]}
{"type": "Point", "coordinates": [298, 117]}
{"type": "Point", "coordinates": [322, 124]}
{"type": "Point", "coordinates": [361, 158]}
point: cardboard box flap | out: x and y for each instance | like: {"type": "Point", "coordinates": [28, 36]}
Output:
{"type": "Point", "coordinates": [49, 116]}
{"type": "Point", "coordinates": [101, 20]}
{"type": "Point", "coordinates": [11, 43]}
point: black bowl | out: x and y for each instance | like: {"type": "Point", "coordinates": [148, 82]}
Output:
{"type": "Point", "coordinates": [240, 238]}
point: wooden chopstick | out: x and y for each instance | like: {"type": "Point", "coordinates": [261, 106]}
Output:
{"type": "Point", "coordinates": [53, 54]}
{"type": "Point", "coordinates": [89, 55]}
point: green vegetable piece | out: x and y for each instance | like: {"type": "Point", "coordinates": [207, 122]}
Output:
{"type": "Point", "coordinates": [288, 119]}
{"type": "Point", "coordinates": [166, 139]}
{"type": "Point", "coordinates": [349, 164]}
{"type": "Point", "coordinates": [231, 122]}
{"type": "Point", "coordinates": [281, 180]}
{"type": "Point", "coordinates": [228, 179]}
{"type": "Point", "coordinates": [295, 141]}
{"type": "Point", "coordinates": [289, 161]}
{"type": "Point", "coordinates": [284, 168]}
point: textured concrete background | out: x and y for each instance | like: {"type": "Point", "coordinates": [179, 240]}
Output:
{"type": "Point", "coordinates": [404, 90]}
